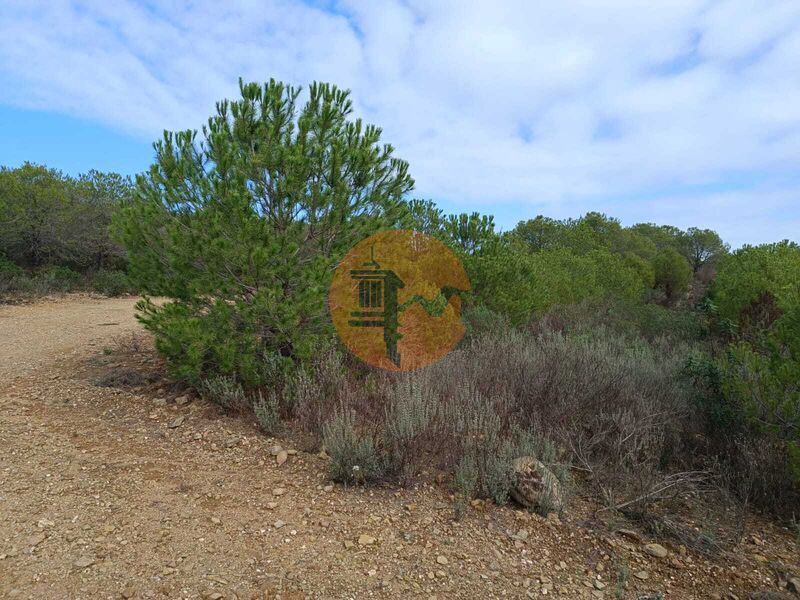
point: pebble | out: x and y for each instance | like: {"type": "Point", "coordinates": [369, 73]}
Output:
{"type": "Point", "coordinates": [365, 540]}
{"type": "Point", "coordinates": [278, 491]}
{"type": "Point", "coordinates": [176, 422]}
{"type": "Point", "coordinates": [442, 560]}
{"type": "Point", "coordinates": [281, 457]}
{"type": "Point", "coordinates": [656, 550]}
{"type": "Point", "coordinates": [83, 562]}
{"type": "Point", "coordinates": [641, 575]}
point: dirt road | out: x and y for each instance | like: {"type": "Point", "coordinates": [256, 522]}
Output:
{"type": "Point", "coordinates": [111, 489]}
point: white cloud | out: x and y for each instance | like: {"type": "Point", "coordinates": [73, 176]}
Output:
{"type": "Point", "coordinates": [557, 105]}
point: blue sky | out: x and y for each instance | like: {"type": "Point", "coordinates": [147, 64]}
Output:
{"type": "Point", "coordinates": [686, 112]}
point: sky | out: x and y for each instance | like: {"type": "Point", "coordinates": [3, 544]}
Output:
{"type": "Point", "coordinates": [681, 112]}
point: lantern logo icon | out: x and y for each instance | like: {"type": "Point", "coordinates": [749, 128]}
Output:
{"type": "Point", "coordinates": [395, 300]}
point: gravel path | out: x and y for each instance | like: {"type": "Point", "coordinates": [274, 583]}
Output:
{"type": "Point", "coordinates": [142, 491]}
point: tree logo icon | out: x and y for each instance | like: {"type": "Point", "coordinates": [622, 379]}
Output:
{"type": "Point", "coordinates": [395, 301]}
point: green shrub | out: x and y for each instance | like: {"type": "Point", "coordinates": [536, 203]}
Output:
{"type": "Point", "coordinates": [238, 227]}
{"type": "Point", "coordinates": [226, 392]}
{"type": "Point", "coordinates": [267, 413]}
{"type": "Point", "coordinates": [112, 283]}
{"type": "Point", "coordinates": [409, 418]}
{"type": "Point", "coordinates": [465, 483]}
{"type": "Point", "coordinates": [354, 457]}
{"type": "Point", "coordinates": [673, 273]}
{"type": "Point", "coordinates": [8, 269]}
{"type": "Point", "coordinates": [58, 279]}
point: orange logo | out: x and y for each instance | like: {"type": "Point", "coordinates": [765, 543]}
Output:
{"type": "Point", "coordinates": [395, 301]}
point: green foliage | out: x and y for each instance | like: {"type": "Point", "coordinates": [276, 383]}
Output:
{"type": "Point", "coordinates": [519, 284]}
{"type": "Point", "coordinates": [8, 269]}
{"type": "Point", "coordinates": [752, 274]}
{"type": "Point", "coordinates": [112, 283]}
{"type": "Point", "coordinates": [703, 246]}
{"type": "Point", "coordinates": [354, 458]}
{"type": "Point", "coordinates": [267, 413]}
{"type": "Point", "coordinates": [409, 416]}
{"type": "Point", "coordinates": [242, 225]}
{"type": "Point", "coordinates": [469, 233]}
{"type": "Point", "coordinates": [58, 278]}
{"type": "Point", "coordinates": [765, 390]}
{"type": "Point", "coordinates": [224, 391]}
{"type": "Point", "coordinates": [673, 274]}
{"type": "Point", "coordinates": [53, 219]}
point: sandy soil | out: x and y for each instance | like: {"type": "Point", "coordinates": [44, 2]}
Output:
{"type": "Point", "coordinates": [119, 491]}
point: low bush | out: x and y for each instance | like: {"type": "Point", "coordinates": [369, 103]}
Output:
{"type": "Point", "coordinates": [354, 457]}
{"type": "Point", "coordinates": [112, 283]}
{"type": "Point", "coordinates": [59, 279]}
{"type": "Point", "coordinates": [226, 392]}
{"type": "Point", "coordinates": [267, 413]}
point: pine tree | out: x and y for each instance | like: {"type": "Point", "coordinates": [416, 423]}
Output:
{"type": "Point", "coordinates": [241, 225]}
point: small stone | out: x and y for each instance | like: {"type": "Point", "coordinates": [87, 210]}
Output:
{"type": "Point", "coordinates": [281, 457]}
{"type": "Point", "coordinates": [599, 584]}
{"type": "Point", "coordinates": [365, 540]}
{"type": "Point", "coordinates": [160, 401]}
{"type": "Point", "coordinates": [213, 596]}
{"type": "Point", "coordinates": [442, 560]}
{"type": "Point", "coordinates": [231, 442]}
{"type": "Point", "coordinates": [641, 575]}
{"type": "Point", "coordinates": [176, 422]}
{"type": "Point", "coordinates": [656, 550]}
{"type": "Point", "coordinates": [348, 544]}
{"type": "Point", "coordinates": [278, 491]}
{"type": "Point", "coordinates": [44, 523]}
{"type": "Point", "coordinates": [182, 400]}
{"type": "Point", "coordinates": [275, 450]}
{"type": "Point", "coordinates": [291, 452]}
{"type": "Point", "coordinates": [37, 539]}
{"type": "Point", "coordinates": [83, 562]}
{"type": "Point", "coordinates": [128, 593]}
{"type": "Point", "coordinates": [793, 585]}
{"type": "Point", "coordinates": [278, 524]}
{"type": "Point", "coordinates": [272, 505]}
{"type": "Point", "coordinates": [630, 534]}
{"type": "Point", "coordinates": [215, 520]}
{"type": "Point", "coordinates": [328, 488]}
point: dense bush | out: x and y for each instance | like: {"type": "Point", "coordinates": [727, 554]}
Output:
{"type": "Point", "coordinates": [618, 409]}
{"type": "Point", "coordinates": [54, 231]}
{"type": "Point", "coordinates": [751, 384]}
{"type": "Point", "coordinates": [53, 219]}
{"type": "Point", "coordinates": [112, 283]}
{"type": "Point", "coordinates": [241, 228]}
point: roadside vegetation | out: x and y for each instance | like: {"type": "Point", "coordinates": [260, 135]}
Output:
{"type": "Point", "coordinates": [54, 233]}
{"type": "Point", "coordinates": [638, 363]}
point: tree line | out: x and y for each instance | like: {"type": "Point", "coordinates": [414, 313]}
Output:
{"type": "Point", "coordinates": [54, 231]}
